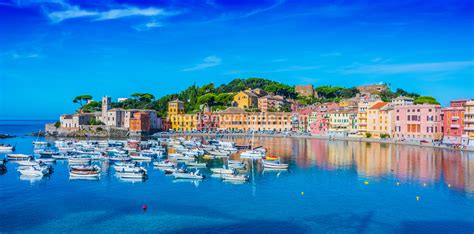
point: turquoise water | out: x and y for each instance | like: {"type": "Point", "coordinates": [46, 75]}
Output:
{"type": "Point", "coordinates": [348, 187]}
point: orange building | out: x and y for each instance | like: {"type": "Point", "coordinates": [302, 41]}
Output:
{"type": "Point", "coordinates": [140, 122]}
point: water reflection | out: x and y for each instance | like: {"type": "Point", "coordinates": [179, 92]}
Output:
{"type": "Point", "coordinates": [415, 164]}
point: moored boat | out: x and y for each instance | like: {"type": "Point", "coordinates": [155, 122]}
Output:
{"type": "Point", "coordinates": [235, 177]}
{"type": "Point", "coordinates": [188, 175]}
{"type": "Point", "coordinates": [19, 156]}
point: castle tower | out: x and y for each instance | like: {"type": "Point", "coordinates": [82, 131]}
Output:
{"type": "Point", "coordinates": [105, 107]}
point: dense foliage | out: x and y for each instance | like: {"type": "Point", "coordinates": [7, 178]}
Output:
{"type": "Point", "coordinates": [426, 100]}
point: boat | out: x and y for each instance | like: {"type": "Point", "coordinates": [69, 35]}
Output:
{"type": "Point", "coordinates": [140, 157]}
{"type": "Point", "coordinates": [132, 175]}
{"type": "Point", "coordinates": [236, 166]}
{"type": "Point", "coordinates": [195, 164]}
{"type": "Point", "coordinates": [60, 156]}
{"type": "Point", "coordinates": [29, 162]}
{"type": "Point", "coordinates": [219, 153]}
{"type": "Point", "coordinates": [38, 171]}
{"type": "Point", "coordinates": [234, 161]}
{"type": "Point", "coordinates": [235, 177]}
{"type": "Point", "coordinates": [79, 160]}
{"type": "Point", "coordinates": [19, 156]}
{"type": "Point", "coordinates": [84, 174]}
{"type": "Point", "coordinates": [222, 171]}
{"type": "Point", "coordinates": [252, 154]}
{"type": "Point", "coordinates": [173, 170]}
{"type": "Point", "coordinates": [46, 160]}
{"type": "Point", "coordinates": [85, 168]}
{"type": "Point", "coordinates": [271, 158]}
{"type": "Point", "coordinates": [166, 163]}
{"type": "Point", "coordinates": [40, 144]}
{"type": "Point", "coordinates": [120, 159]}
{"type": "Point", "coordinates": [7, 148]}
{"type": "Point", "coordinates": [274, 165]}
{"type": "Point", "coordinates": [188, 175]}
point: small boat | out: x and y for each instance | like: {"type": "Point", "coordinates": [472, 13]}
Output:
{"type": "Point", "coordinates": [173, 170]}
{"type": "Point", "coordinates": [195, 164]}
{"type": "Point", "coordinates": [120, 159]}
{"type": "Point", "coordinates": [132, 175]}
{"type": "Point", "coordinates": [46, 160]}
{"type": "Point", "coordinates": [274, 165]}
{"type": "Point", "coordinates": [35, 171]}
{"type": "Point", "coordinates": [84, 174]}
{"type": "Point", "coordinates": [166, 163]}
{"type": "Point", "coordinates": [271, 158]}
{"type": "Point", "coordinates": [85, 168]}
{"type": "Point", "coordinates": [252, 154]}
{"type": "Point", "coordinates": [140, 157]}
{"type": "Point", "coordinates": [190, 175]}
{"type": "Point", "coordinates": [40, 143]}
{"type": "Point", "coordinates": [235, 177]}
{"type": "Point", "coordinates": [219, 153]}
{"type": "Point", "coordinates": [28, 162]}
{"type": "Point", "coordinates": [19, 156]}
{"type": "Point", "coordinates": [79, 160]}
{"type": "Point", "coordinates": [7, 148]}
{"type": "Point", "coordinates": [237, 166]}
{"type": "Point", "coordinates": [60, 156]}
{"type": "Point", "coordinates": [222, 171]}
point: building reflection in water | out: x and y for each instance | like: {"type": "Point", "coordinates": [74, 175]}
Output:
{"type": "Point", "coordinates": [376, 160]}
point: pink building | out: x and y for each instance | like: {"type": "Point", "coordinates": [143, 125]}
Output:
{"type": "Point", "coordinates": [418, 122]}
{"type": "Point", "coordinates": [207, 121]}
{"type": "Point", "coordinates": [453, 122]}
{"type": "Point", "coordinates": [318, 122]}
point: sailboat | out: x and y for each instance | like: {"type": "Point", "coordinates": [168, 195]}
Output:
{"type": "Point", "coordinates": [253, 153]}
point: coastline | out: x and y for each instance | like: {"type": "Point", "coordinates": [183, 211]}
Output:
{"type": "Point", "coordinates": [338, 138]}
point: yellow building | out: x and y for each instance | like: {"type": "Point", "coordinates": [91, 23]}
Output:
{"type": "Point", "coordinates": [380, 120]}
{"type": "Point", "coordinates": [363, 107]}
{"type": "Point", "coordinates": [246, 99]}
{"type": "Point", "coordinates": [342, 121]}
{"type": "Point", "coordinates": [236, 119]}
{"type": "Point", "coordinates": [178, 120]}
{"type": "Point", "coordinates": [469, 122]}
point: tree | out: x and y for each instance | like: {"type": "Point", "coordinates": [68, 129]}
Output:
{"type": "Point", "coordinates": [282, 90]}
{"type": "Point", "coordinates": [426, 100]}
{"type": "Point", "coordinates": [92, 106]}
{"type": "Point", "coordinates": [208, 99]}
{"type": "Point", "coordinates": [143, 97]}
{"type": "Point", "coordinates": [82, 98]}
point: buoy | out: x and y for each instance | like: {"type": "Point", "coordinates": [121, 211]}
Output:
{"type": "Point", "coordinates": [398, 183]}
{"type": "Point", "coordinates": [417, 198]}
{"type": "Point", "coordinates": [144, 207]}
{"type": "Point", "coordinates": [302, 193]}
{"type": "Point", "coordinates": [424, 184]}
{"type": "Point", "coordinates": [449, 185]}
{"type": "Point", "coordinates": [366, 182]}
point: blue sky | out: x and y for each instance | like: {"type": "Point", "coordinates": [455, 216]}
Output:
{"type": "Point", "coordinates": [53, 50]}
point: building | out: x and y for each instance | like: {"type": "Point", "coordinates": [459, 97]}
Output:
{"type": "Point", "coordinates": [207, 122]}
{"type": "Point", "coordinates": [140, 122]}
{"type": "Point", "coordinates": [305, 90]}
{"type": "Point", "coordinates": [178, 120]}
{"type": "Point", "coordinates": [270, 103]}
{"type": "Point", "coordinates": [453, 122]}
{"type": "Point", "coordinates": [362, 108]}
{"type": "Point", "coordinates": [469, 123]}
{"type": "Point", "coordinates": [342, 122]}
{"type": "Point", "coordinates": [380, 120]}
{"type": "Point", "coordinates": [402, 101]}
{"type": "Point", "coordinates": [75, 121]}
{"type": "Point", "coordinates": [246, 99]}
{"type": "Point", "coordinates": [236, 119]}
{"type": "Point", "coordinates": [175, 107]}
{"type": "Point", "coordinates": [418, 122]}
{"type": "Point", "coordinates": [372, 89]}
{"type": "Point", "coordinates": [318, 122]}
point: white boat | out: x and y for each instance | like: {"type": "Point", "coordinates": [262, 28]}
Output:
{"type": "Point", "coordinates": [252, 154]}
{"type": "Point", "coordinates": [131, 175]}
{"type": "Point", "coordinates": [274, 165]}
{"type": "Point", "coordinates": [34, 171]}
{"type": "Point", "coordinates": [19, 156]}
{"type": "Point", "coordinates": [7, 148]}
{"type": "Point", "coordinates": [166, 163]}
{"type": "Point", "coordinates": [85, 168]}
{"type": "Point", "coordinates": [27, 163]}
{"type": "Point", "coordinates": [46, 160]}
{"type": "Point", "coordinates": [235, 177]}
{"type": "Point", "coordinates": [60, 156]}
{"type": "Point", "coordinates": [219, 153]}
{"type": "Point", "coordinates": [196, 164]}
{"type": "Point", "coordinates": [79, 160]}
{"type": "Point", "coordinates": [236, 165]}
{"type": "Point", "coordinates": [234, 161]}
{"type": "Point", "coordinates": [84, 174]}
{"type": "Point", "coordinates": [40, 143]}
{"type": "Point", "coordinates": [140, 157]}
{"type": "Point", "coordinates": [190, 175]}
{"type": "Point", "coordinates": [120, 159]}
{"type": "Point", "coordinates": [222, 171]}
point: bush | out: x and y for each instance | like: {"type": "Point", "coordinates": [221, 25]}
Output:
{"type": "Point", "coordinates": [57, 124]}
{"type": "Point", "coordinates": [368, 135]}
{"type": "Point", "coordinates": [384, 135]}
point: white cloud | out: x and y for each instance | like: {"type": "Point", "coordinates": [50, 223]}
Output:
{"type": "Point", "coordinates": [210, 61]}
{"type": "Point", "coordinates": [410, 68]}
{"type": "Point", "coordinates": [148, 26]}
{"type": "Point", "coordinates": [71, 12]}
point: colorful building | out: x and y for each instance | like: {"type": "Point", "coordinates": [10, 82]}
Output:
{"type": "Point", "coordinates": [318, 122]}
{"type": "Point", "coordinates": [469, 123]}
{"type": "Point", "coordinates": [236, 119]}
{"type": "Point", "coordinates": [343, 122]}
{"type": "Point", "coordinates": [418, 122]}
{"type": "Point", "coordinates": [363, 107]}
{"type": "Point", "coordinates": [208, 122]}
{"type": "Point", "coordinates": [402, 101]}
{"type": "Point", "coordinates": [140, 121]}
{"type": "Point", "coordinates": [270, 103]}
{"type": "Point", "coordinates": [175, 107]}
{"type": "Point", "coordinates": [380, 120]}
{"type": "Point", "coordinates": [453, 122]}
{"type": "Point", "coordinates": [178, 120]}
{"type": "Point", "coordinates": [246, 99]}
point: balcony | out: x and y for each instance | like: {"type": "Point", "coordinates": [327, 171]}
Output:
{"type": "Point", "coordinates": [469, 129]}
{"type": "Point", "coordinates": [454, 125]}
{"type": "Point", "coordinates": [471, 113]}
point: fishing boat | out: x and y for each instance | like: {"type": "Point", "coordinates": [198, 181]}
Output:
{"type": "Point", "coordinates": [188, 175]}
{"type": "Point", "coordinates": [222, 171]}
{"type": "Point", "coordinates": [84, 174]}
{"type": "Point", "coordinates": [235, 177]}
{"type": "Point", "coordinates": [195, 164]}
{"type": "Point", "coordinates": [85, 168]}
{"type": "Point", "coordinates": [19, 156]}
{"type": "Point", "coordinates": [274, 165]}
{"type": "Point", "coordinates": [7, 147]}
{"type": "Point", "coordinates": [166, 163]}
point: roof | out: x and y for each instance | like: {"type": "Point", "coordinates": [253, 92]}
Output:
{"type": "Point", "coordinates": [378, 105]}
{"type": "Point", "coordinates": [403, 98]}
{"type": "Point", "coordinates": [177, 100]}
{"type": "Point", "coordinates": [232, 110]}
{"type": "Point", "coordinates": [250, 93]}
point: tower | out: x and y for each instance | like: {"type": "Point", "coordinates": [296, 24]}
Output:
{"type": "Point", "coordinates": [105, 107]}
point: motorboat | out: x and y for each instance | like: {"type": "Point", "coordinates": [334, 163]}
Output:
{"type": "Point", "coordinates": [120, 159]}
{"type": "Point", "coordinates": [38, 171]}
{"type": "Point", "coordinates": [85, 168]}
{"type": "Point", "coordinates": [140, 157]}
{"type": "Point", "coordinates": [46, 160]}
{"type": "Point", "coordinates": [79, 160]}
{"type": "Point", "coordinates": [29, 162]}
{"type": "Point", "coordinates": [188, 175]}
{"type": "Point", "coordinates": [236, 166]}
{"type": "Point", "coordinates": [221, 153]}
{"type": "Point", "coordinates": [173, 170]}
{"type": "Point", "coordinates": [7, 148]}
{"type": "Point", "coordinates": [19, 156]}
{"type": "Point", "coordinates": [274, 164]}
{"type": "Point", "coordinates": [40, 144]}
{"type": "Point", "coordinates": [235, 177]}
{"type": "Point", "coordinates": [84, 174]}
{"type": "Point", "coordinates": [132, 175]}
{"type": "Point", "coordinates": [166, 163]}
{"type": "Point", "coordinates": [252, 154]}
{"type": "Point", "coordinates": [222, 171]}
{"type": "Point", "coordinates": [60, 156]}
{"type": "Point", "coordinates": [195, 164]}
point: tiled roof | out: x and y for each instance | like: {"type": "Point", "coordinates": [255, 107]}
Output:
{"type": "Point", "coordinates": [378, 105]}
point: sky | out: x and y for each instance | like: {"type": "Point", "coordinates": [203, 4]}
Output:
{"type": "Point", "coordinates": [54, 50]}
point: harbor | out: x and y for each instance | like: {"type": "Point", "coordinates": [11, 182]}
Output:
{"type": "Point", "coordinates": [341, 186]}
